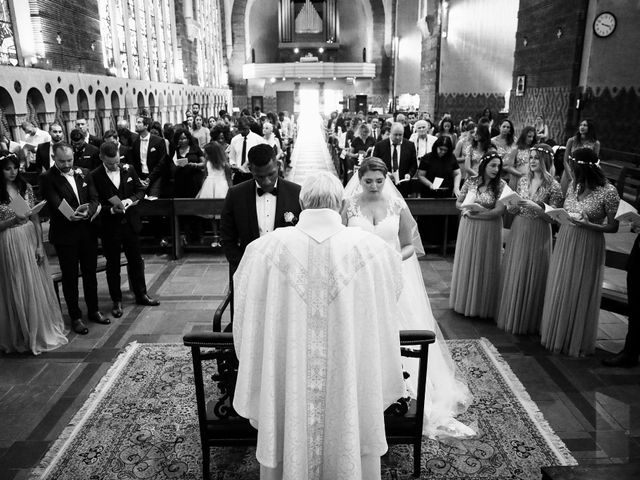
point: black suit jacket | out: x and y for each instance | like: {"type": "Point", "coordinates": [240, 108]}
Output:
{"type": "Point", "coordinates": [95, 141]}
{"type": "Point", "coordinates": [130, 187]}
{"type": "Point", "coordinates": [239, 220]}
{"type": "Point", "coordinates": [43, 157]}
{"type": "Point", "coordinates": [125, 155]}
{"type": "Point", "coordinates": [407, 163]}
{"type": "Point", "coordinates": [54, 187]}
{"type": "Point", "coordinates": [88, 157]}
{"type": "Point", "coordinates": [160, 170]}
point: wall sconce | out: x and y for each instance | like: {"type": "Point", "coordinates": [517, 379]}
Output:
{"type": "Point", "coordinates": [59, 39]}
{"type": "Point", "coordinates": [321, 50]}
{"type": "Point", "coordinates": [93, 46]}
{"type": "Point", "coordinates": [296, 50]}
{"type": "Point", "coordinates": [559, 32]}
{"type": "Point", "coordinates": [525, 41]}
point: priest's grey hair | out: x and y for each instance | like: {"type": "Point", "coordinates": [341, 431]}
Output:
{"type": "Point", "coordinates": [322, 190]}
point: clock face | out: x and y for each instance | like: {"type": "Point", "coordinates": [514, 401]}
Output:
{"type": "Point", "coordinates": [604, 24]}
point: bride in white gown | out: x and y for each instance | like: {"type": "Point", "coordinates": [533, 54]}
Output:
{"type": "Point", "coordinates": [373, 203]}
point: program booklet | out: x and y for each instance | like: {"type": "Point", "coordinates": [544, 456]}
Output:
{"type": "Point", "coordinates": [626, 213]}
{"type": "Point", "coordinates": [470, 203]}
{"type": "Point", "coordinates": [559, 215]}
{"type": "Point", "coordinates": [509, 198]}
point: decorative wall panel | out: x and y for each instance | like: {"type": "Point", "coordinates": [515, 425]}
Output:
{"type": "Point", "coordinates": [463, 105]}
{"type": "Point", "coordinates": [551, 103]}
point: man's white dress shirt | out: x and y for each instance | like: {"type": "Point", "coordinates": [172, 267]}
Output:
{"type": "Point", "coordinates": [266, 210]}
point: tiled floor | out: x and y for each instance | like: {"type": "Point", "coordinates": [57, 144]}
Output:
{"type": "Point", "coordinates": [594, 409]}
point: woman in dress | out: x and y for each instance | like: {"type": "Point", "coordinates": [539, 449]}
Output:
{"type": "Point", "coordinates": [217, 182]}
{"type": "Point", "coordinates": [445, 129]}
{"type": "Point", "coordinates": [516, 164]}
{"type": "Point", "coordinates": [199, 132]}
{"type": "Point", "coordinates": [473, 152]}
{"type": "Point", "coordinates": [440, 163]}
{"type": "Point", "coordinates": [541, 128]}
{"type": "Point", "coordinates": [526, 260]}
{"type": "Point", "coordinates": [574, 286]}
{"type": "Point", "coordinates": [505, 141]}
{"type": "Point", "coordinates": [586, 137]}
{"type": "Point", "coordinates": [30, 317]}
{"type": "Point", "coordinates": [362, 144]}
{"type": "Point", "coordinates": [273, 142]}
{"type": "Point", "coordinates": [476, 265]}
{"type": "Point", "coordinates": [373, 203]}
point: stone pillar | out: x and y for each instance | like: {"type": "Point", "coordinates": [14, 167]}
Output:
{"type": "Point", "coordinates": [17, 132]}
{"type": "Point", "coordinates": [430, 71]}
{"type": "Point", "coordinates": [49, 118]}
{"type": "Point", "coordinates": [71, 123]}
{"type": "Point", "coordinates": [106, 120]}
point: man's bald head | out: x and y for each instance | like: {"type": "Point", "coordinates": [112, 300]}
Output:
{"type": "Point", "coordinates": [397, 132]}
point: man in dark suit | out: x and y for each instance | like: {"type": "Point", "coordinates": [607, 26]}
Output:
{"type": "Point", "coordinates": [258, 206]}
{"type": "Point", "coordinates": [126, 136]}
{"type": "Point", "coordinates": [124, 152]}
{"type": "Point", "coordinates": [119, 190]}
{"type": "Point", "coordinates": [84, 155]}
{"type": "Point", "coordinates": [74, 238]}
{"type": "Point", "coordinates": [150, 159]}
{"type": "Point", "coordinates": [44, 151]}
{"type": "Point", "coordinates": [399, 155]}
{"type": "Point", "coordinates": [83, 126]}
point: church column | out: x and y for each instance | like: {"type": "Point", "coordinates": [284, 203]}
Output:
{"type": "Point", "coordinates": [430, 62]}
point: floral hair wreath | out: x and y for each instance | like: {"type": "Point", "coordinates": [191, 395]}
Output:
{"type": "Point", "coordinates": [487, 157]}
{"type": "Point", "coordinates": [540, 149]}
{"type": "Point", "coordinates": [9, 155]}
{"type": "Point", "coordinates": [580, 162]}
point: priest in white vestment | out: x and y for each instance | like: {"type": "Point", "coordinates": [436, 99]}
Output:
{"type": "Point", "coordinates": [317, 339]}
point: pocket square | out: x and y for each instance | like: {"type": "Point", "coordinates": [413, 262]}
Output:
{"type": "Point", "coordinates": [84, 185]}
{"type": "Point", "coordinates": [153, 149]}
{"type": "Point", "coordinates": [86, 156]}
{"type": "Point", "coordinates": [129, 179]}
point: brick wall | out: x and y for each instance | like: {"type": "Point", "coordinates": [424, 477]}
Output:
{"type": "Point", "coordinates": [468, 105]}
{"type": "Point", "coordinates": [550, 60]}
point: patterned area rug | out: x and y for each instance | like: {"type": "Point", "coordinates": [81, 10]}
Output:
{"type": "Point", "coordinates": [141, 423]}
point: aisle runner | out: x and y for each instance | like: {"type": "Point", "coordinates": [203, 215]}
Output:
{"type": "Point", "coordinates": [310, 153]}
{"type": "Point", "coordinates": [141, 423]}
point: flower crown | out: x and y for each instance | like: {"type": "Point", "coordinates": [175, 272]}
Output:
{"type": "Point", "coordinates": [487, 157]}
{"type": "Point", "coordinates": [540, 149]}
{"type": "Point", "coordinates": [580, 162]}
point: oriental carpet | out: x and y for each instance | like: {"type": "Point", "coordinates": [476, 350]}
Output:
{"type": "Point", "coordinates": [141, 423]}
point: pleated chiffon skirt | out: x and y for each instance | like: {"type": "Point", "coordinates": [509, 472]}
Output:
{"type": "Point", "coordinates": [572, 296]}
{"type": "Point", "coordinates": [30, 317]}
{"type": "Point", "coordinates": [476, 267]}
{"type": "Point", "coordinates": [523, 276]}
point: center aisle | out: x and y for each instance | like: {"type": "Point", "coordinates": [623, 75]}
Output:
{"type": "Point", "coordinates": [310, 153]}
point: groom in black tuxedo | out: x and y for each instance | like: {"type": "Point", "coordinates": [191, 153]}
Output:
{"type": "Point", "coordinates": [74, 238]}
{"type": "Point", "coordinates": [120, 224]}
{"type": "Point", "coordinates": [257, 206]}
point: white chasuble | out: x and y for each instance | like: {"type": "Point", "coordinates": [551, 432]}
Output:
{"type": "Point", "coordinates": [316, 335]}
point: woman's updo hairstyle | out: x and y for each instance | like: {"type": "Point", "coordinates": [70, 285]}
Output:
{"type": "Point", "coordinates": [372, 164]}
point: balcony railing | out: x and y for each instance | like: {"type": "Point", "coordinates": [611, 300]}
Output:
{"type": "Point", "coordinates": [308, 69]}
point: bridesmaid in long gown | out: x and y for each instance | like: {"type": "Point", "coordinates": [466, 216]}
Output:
{"type": "Point", "coordinates": [373, 204]}
{"type": "Point", "coordinates": [476, 265]}
{"type": "Point", "coordinates": [30, 317]}
{"type": "Point", "coordinates": [526, 259]}
{"type": "Point", "coordinates": [574, 285]}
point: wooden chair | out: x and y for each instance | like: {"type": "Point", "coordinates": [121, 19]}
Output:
{"type": "Point", "coordinates": [220, 425]}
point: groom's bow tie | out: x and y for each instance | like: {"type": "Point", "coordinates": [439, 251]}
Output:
{"type": "Point", "coordinates": [273, 192]}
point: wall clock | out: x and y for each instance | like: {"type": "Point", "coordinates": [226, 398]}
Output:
{"type": "Point", "coordinates": [604, 24]}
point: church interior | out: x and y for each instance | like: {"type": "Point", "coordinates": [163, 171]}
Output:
{"type": "Point", "coordinates": [119, 401]}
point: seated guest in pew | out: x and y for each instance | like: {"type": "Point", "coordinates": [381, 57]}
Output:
{"type": "Point", "coordinates": [74, 238]}
{"type": "Point", "coordinates": [257, 206]}
{"type": "Point", "coordinates": [30, 317]}
{"type": "Point", "coordinates": [119, 190]}
{"type": "Point", "coordinates": [399, 155]}
{"type": "Point", "coordinates": [574, 285]}
{"type": "Point", "coordinates": [316, 335]}
{"type": "Point", "coordinates": [628, 357]}
{"type": "Point", "coordinates": [526, 259]}
{"type": "Point", "coordinates": [476, 265]}
{"type": "Point", "coordinates": [84, 155]}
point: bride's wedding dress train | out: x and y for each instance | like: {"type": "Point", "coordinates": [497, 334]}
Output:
{"type": "Point", "coordinates": [447, 395]}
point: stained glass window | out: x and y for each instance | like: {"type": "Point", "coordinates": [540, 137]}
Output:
{"type": "Point", "coordinates": [143, 47]}
{"type": "Point", "coordinates": [8, 54]}
{"type": "Point", "coordinates": [133, 37]}
{"type": "Point", "coordinates": [106, 29]}
{"type": "Point", "coordinates": [122, 40]}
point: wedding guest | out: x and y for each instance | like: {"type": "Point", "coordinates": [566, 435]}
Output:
{"type": "Point", "coordinates": [34, 135]}
{"type": "Point", "coordinates": [504, 142]}
{"type": "Point", "coordinates": [126, 136]}
{"type": "Point", "coordinates": [440, 163]}
{"type": "Point", "coordinates": [44, 151]}
{"type": "Point", "coordinates": [526, 260]}
{"type": "Point", "coordinates": [541, 129]}
{"type": "Point", "coordinates": [516, 163]}
{"type": "Point", "coordinates": [83, 125]}
{"type": "Point", "coordinates": [446, 128]}
{"type": "Point", "coordinates": [422, 139]}
{"type": "Point", "coordinates": [348, 311]}
{"type": "Point", "coordinates": [156, 129]}
{"type": "Point", "coordinates": [574, 284]}
{"type": "Point", "coordinates": [189, 164]}
{"type": "Point", "coordinates": [30, 317]}
{"type": "Point", "coordinates": [476, 265]}
{"type": "Point", "coordinates": [585, 138]}
{"type": "Point", "coordinates": [120, 225]}
{"type": "Point", "coordinates": [149, 155]}
{"type": "Point", "coordinates": [475, 151]}
{"type": "Point", "coordinates": [74, 238]}
{"type": "Point", "coordinates": [628, 357]}
{"type": "Point", "coordinates": [85, 155]}
{"type": "Point", "coordinates": [124, 152]}
{"type": "Point", "coordinates": [257, 206]}
{"type": "Point", "coordinates": [199, 132]}
{"type": "Point", "coordinates": [271, 140]}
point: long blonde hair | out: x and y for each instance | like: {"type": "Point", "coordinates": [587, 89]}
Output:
{"type": "Point", "coordinates": [545, 163]}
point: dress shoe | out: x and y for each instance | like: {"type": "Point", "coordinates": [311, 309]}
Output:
{"type": "Point", "coordinates": [148, 301]}
{"type": "Point", "coordinates": [79, 327]}
{"type": "Point", "coordinates": [622, 359]}
{"type": "Point", "coordinates": [99, 318]}
{"type": "Point", "coordinates": [116, 310]}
